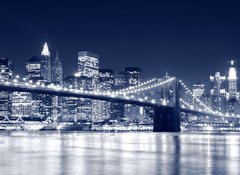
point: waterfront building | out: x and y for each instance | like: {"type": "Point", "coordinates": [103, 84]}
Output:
{"type": "Point", "coordinates": [120, 82]}
{"type": "Point", "coordinates": [6, 73]}
{"type": "Point", "coordinates": [77, 108]}
{"type": "Point", "coordinates": [134, 77]}
{"type": "Point", "coordinates": [21, 104]}
{"type": "Point", "coordinates": [70, 104]}
{"type": "Point", "coordinates": [218, 92]}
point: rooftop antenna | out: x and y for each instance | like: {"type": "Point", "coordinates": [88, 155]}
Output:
{"type": "Point", "coordinates": [232, 62]}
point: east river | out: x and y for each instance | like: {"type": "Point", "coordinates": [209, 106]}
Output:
{"type": "Point", "coordinates": [81, 153]}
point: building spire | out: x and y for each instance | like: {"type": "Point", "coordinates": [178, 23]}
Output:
{"type": "Point", "coordinates": [45, 51]}
{"type": "Point", "coordinates": [232, 73]}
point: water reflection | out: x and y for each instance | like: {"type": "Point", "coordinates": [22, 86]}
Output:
{"type": "Point", "coordinates": [119, 153]}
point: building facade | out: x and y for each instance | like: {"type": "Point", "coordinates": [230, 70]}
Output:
{"type": "Point", "coordinates": [134, 77]}
{"type": "Point", "coordinates": [103, 109]}
{"type": "Point", "coordinates": [57, 78]}
{"type": "Point", "coordinates": [218, 92]}
{"type": "Point", "coordinates": [57, 70]}
{"type": "Point", "coordinates": [6, 73]}
{"type": "Point", "coordinates": [46, 63]}
{"type": "Point", "coordinates": [88, 71]}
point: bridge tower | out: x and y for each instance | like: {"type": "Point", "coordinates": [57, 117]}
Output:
{"type": "Point", "coordinates": [167, 119]}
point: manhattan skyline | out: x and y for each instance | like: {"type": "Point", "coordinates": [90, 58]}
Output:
{"type": "Point", "coordinates": [192, 40]}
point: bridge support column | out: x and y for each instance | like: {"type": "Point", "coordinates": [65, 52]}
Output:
{"type": "Point", "coordinates": [166, 120]}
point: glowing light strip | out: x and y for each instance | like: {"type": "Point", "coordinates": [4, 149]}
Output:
{"type": "Point", "coordinates": [137, 89]}
{"type": "Point", "coordinates": [211, 111]}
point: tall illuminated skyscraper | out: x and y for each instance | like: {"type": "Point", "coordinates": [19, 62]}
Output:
{"type": "Point", "coordinates": [46, 63]}
{"type": "Point", "coordinates": [88, 64]}
{"type": "Point", "coordinates": [232, 81]}
{"type": "Point", "coordinates": [218, 92]}
{"type": "Point", "coordinates": [232, 95]}
{"type": "Point", "coordinates": [88, 69]}
{"type": "Point", "coordinates": [103, 108]}
{"type": "Point", "coordinates": [46, 106]}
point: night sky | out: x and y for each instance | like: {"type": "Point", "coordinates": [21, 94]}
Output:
{"type": "Point", "coordinates": [190, 39]}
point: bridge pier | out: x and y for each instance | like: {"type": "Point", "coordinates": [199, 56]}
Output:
{"type": "Point", "coordinates": [166, 119]}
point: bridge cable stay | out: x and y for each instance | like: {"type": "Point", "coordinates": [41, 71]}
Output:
{"type": "Point", "coordinates": [205, 108]}
{"type": "Point", "coordinates": [154, 83]}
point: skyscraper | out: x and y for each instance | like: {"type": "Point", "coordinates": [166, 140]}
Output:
{"type": "Point", "coordinates": [57, 78]}
{"type": "Point", "coordinates": [6, 68]}
{"type": "Point", "coordinates": [46, 107]}
{"type": "Point", "coordinates": [102, 108]}
{"type": "Point", "coordinates": [21, 104]}
{"type": "Point", "coordinates": [120, 82]}
{"type": "Point", "coordinates": [88, 64]}
{"type": "Point", "coordinates": [46, 63]}
{"type": "Point", "coordinates": [232, 81]}
{"type": "Point", "coordinates": [33, 69]}
{"type": "Point", "coordinates": [106, 79]}
{"type": "Point", "coordinates": [218, 92]}
{"type": "Point", "coordinates": [57, 70]}
{"type": "Point", "coordinates": [198, 92]}
{"type": "Point", "coordinates": [232, 95]}
{"type": "Point", "coordinates": [71, 105]}
{"type": "Point", "coordinates": [6, 73]}
{"type": "Point", "coordinates": [134, 77]}
{"type": "Point", "coordinates": [88, 69]}
{"type": "Point", "coordinates": [34, 73]}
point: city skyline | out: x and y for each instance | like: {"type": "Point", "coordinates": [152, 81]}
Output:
{"type": "Point", "coordinates": [192, 36]}
{"type": "Point", "coordinates": [46, 50]}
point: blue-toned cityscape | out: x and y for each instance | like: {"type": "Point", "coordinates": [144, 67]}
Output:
{"type": "Point", "coordinates": [98, 99]}
{"type": "Point", "coordinates": [119, 87]}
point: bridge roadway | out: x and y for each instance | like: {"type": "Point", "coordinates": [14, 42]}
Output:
{"type": "Point", "coordinates": [105, 96]}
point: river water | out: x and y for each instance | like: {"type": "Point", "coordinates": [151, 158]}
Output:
{"type": "Point", "coordinates": [119, 153]}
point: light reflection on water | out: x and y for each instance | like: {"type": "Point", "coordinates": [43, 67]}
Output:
{"type": "Point", "coordinates": [119, 153]}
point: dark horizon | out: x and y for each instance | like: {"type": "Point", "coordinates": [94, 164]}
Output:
{"type": "Point", "coordinates": [191, 40]}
